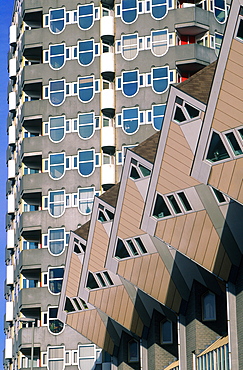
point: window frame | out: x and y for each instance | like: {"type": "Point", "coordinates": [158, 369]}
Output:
{"type": "Point", "coordinates": [212, 317]}
{"type": "Point", "coordinates": [124, 110]}
{"type": "Point", "coordinates": [126, 48]}
{"type": "Point", "coordinates": [93, 125]}
{"type": "Point", "coordinates": [56, 240]}
{"type": "Point", "coordinates": [163, 322]}
{"type": "Point", "coordinates": [53, 203]}
{"type": "Point", "coordinates": [128, 9]}
{"type": "Point", "coordinates": [153, 80]}
{"type": "Point", "coordinates": [50, 166]}
{"type": "Point", "coordinates": [54, 279]}
{"type": "Point", "coordinates": [86, 88]}
{"type": "Point", "coordinates": [89, 200]}
{"type": "Point", "coordinates": [50, 56]}
{"type": "Point", "coordinates": [51, 319]}
{"type": "Point", "coordinates": [157, 42]}
{"type": "Point", "coordinates": [152, 6]}
{"type": "Point", "coordinates": [80, 16]}
{"type": "Point", "coordinates": [130, 82]}
{"type": "Point", "coordinates": [57, 91]}
{"type": "Point", "coordinates": [79, 162]}
{"type": "Point", "coordinates": [64, 20]}
{"type": "Point", "coordinates": [83, 52]}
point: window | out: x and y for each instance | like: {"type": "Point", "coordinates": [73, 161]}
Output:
{"type": "Point", "coordinates": [220, 10]}
{"type": "Point", "coordinates": [138, 171]}
{"type": "Point", "coordinates": [56, 128]}
{"type": "Point", "coordinates": [56, 165]}
{"type": "Point", "coordinates": [56, 239]}
{"type": "Point", "coordinates": [55, 279]}
{"type": "Point", "coordinates": [129, 46]}
{"type": "Point", "coordinates": [86, 356]}
{"type": "Point", "coordinates": [159, 8]}
{"type": "Point", "coordinates": [86, 88]}
{"type": "Point", "coordinates": [218, 41]}
{"type": "Point", "coordinates": [85, 200]}
{"type": "Point", "coordinates": [57, 92]}
{"type": "Point", "coordinates": [98, 280]}
{"type": "Point", "coordinates": [130, 122]}
{"type": "Point", "coordinates": [159, 42]}
{"type": "Point", "coordinates": [184, 111]}
{"type": "Point", "coordinates": [86, 52]}
{"type": "Point", "coordinates": [133, 351]}
{"type": "Point", "coordinates": [56, 358]}
{"type": "Point", "coordinates": [158, 116]}
{"type": "Point", "coordinates": [57, 20]}
{"type": "Point", "coordinates": [130, 83]}
{"type": "Point", "coordinates": [219, 196]}
{"type": "Point", "coordinates": [234, 145]}
{"type": "Point", "coordinates": [30, 283]}
{"type": "Point", "coordinates": [57, 56]}
{"type": "Point", "coordinates": [130, 248]}
{"type": "Point", "coordinates": [166, 332]}
{"type": "Point", "coordinates": [86, 162]}
{"type": "Point", "coordinates": [160, 79]}
{"type": "Point", "coordinates": [56, 203]}
{"type": "Point", "coordinates": [217, 151]}
{"type": "Point", "coordinates": [129, 11]}
{"type": "Point", "coordinates": [239, 33]}
{"type": "Point", "coordinates": [55, 326]}
{"type": "Point", "coordinates": [104, 214]}
{"type": "Point", "coordinates": [161, 209]}
{"type": "Point", "coordinates": [86, 16]}
{"type": "Point", "coordinates": [209, 307]}
{"type": "Point", "coordinates": [86, 125]}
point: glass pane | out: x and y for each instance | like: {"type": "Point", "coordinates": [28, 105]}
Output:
{"type": "Point", "coordinates": [160, 209]}
{"type": "Point", "coordinates": [217, 150]}
{"type": "Point", "coordinates": [234, 143]}
{"type": "Point", "coordinates": [56, 273]}
{"type": "Point", "coordinates": [55, 326]}
{"type": "Point", "coordinates": [121, 251]}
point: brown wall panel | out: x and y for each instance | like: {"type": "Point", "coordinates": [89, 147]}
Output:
{"type": "Point", "coordinates": [158, 277]}
{"type": "Point", "coordinates": [226, 176]}
{"type": "Point", "coordinates": [144, 271]}
{"type": "Point", "coordinates": [118, 298]}
{"type": "Point", "coordinates": [178, 231]}
{"type": "Point", "coordinates": [211, 251]}
{"type": "Point", "coordinates": [150, 280]}
{"type": "Point", "coordinates": [234, 67]}
{"type": "Point", "coordinates": [136, 270]}
{"type": "Point", "coordinates": [73, 276]}
{"type": "Point", "coordinates": [164, 285]}
{"type": "Point", "coordinates": [186, 235]}
{"type": "Point", "coordinates": [236, 180]}
{"type": "Point", "coordinates": [169, 229]}
{"type": "Point", "coordinates": [203, 243]}
{"type": "Point", "coordinates": [105, 299]}
{"type": "Point", "coordinates": [237, 46]}
{"type": "Point", "coordinates": [99, 248]}
{"type": "Point", "coordinates": [215, 175]}
{"type": "Point", "coordinates": [170, 151]}
{"type": "Point", "coordinates": [195, 234]}
{"type": "Point", "coordinates": [231, 111]}
{"type": "Point", "coordinates": [129, 269]}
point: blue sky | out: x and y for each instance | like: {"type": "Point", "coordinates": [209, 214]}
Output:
{"type": "Point", "coordinates": [6, 7]}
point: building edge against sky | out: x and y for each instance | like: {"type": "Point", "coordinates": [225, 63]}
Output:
{"type": "Point", "coordinates": [166, 291]}
{"type": "Point", "coordinates": [85, 82]}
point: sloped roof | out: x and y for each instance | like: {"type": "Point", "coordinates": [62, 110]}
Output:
{"type": "Point", "coordinates": [198, 86]}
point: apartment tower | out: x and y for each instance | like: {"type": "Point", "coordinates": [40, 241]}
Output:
{"type": "Point", "coordinates": [86, 81]}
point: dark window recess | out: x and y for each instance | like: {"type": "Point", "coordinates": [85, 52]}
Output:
{"type": "Point", "coordinates": [174, 204]}
{"type": "Point", "coordinates": [68, 306]}
{"type": "Point", "coordinates": [141, 245]}
{"type": "Point", "coordinates": [91, 282]}
{"type": "Point", "coordinates": [83, 246]}
{"type": "Point", "coordinates": [184, 201]}
{"type": "Point", "coordinates": [220, 196]}
{"type": "Point", "coordinates": [217, 150]}
{"type": "Point", "coordinates": [240, 30]}
{"type": "Point", "coordinates": [193, 112]}
{"type": "Point", "coordinates": [110, 214]}
{"type": "Point", "coordinates": [76, 302]}
{"type": "Point", "coordinates": [108, 278]}
{"type": "Point", "coordinates": [101, 217]}
{"type": "Point", "coordinates": [160, 208]}
{"type": "Point", "coordinates": [179, 100]}
{"type": "Point", "coordinates": [121, 251]}
{"type": "Point", "coordinates": [145, 171]}
{"type": "Point", "coordinates": [101, 280]}
{"type": "Point", "coordinates": [134, 174]}
{"type": "Point", "coordinates": [84, 304]}
{"type": "Point", "coordinates": [233, 143]}
{"type": "Point", "coordinates": [77, 249]}
{"type": "Point", "coordinates": [132, 247]}
{"type": "Point", "coordinates": [241, 132]}
{"type": "Point", "coordinates": [179, 115]}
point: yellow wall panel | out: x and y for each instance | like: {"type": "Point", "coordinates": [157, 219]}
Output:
{"type": "Point", "coordinates": [118, 298]}
{"type": "Point", "coordinates": [128, 269]}
{"type": "Point", "coordinates": [169, 229]}
{"type": "Point", "coordinates": [136, 270]}
{"type": "Point", "coordinates": [150, 280]}
{"type": "Point", "coordinates": [211, 252]}
{"type": "Point", "coordinates": [178, 231]}
{"type": "Point", "coordinates": [195, 234]}
{"type": "Point", "coordinates": [236, 179]}
{"type": "Point", "coordinates": [226, 176]}
{"type": "Point", "coordinates": [143, 271]}
{"type": "Point", "coordinates": [215, 175]}
{"type": "Point", "coordinates": [185, 238]}
{"type": "Point", "coordinates": [158, 277]}
{"type": "Point", "coordinates": [100, 241]}
{"type": "Point", "coordinates": [203, 243]}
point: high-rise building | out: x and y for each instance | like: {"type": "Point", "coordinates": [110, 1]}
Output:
{"type": "Point", "coordinates": [86, 82]}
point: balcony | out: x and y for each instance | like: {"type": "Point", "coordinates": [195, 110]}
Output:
{"type": "Point", "coordinates": [35, 297]}
{"type": "Point", "coordinates": [10, 275]}
{"type": "Point", "coordinates": [8, 348]}
{"type": "Point", "coordinates": [10, 239]}
{"type": "Point", "coordinates": [12, 68]}
{"type": "Point", "coordinates": [108, 102]}
{"type": "Point", "coordinates": [12, 101]}
{"type": "Point", "coordinates": [11, 168]}
{"type": "Point", "coordinates": [12, 135]}
{"type": "Point", "coordinates": [32, 146]}
{"type": "Point", "coordinates": [107, 66]}
{"type": "Point", "coordinates": [32, 183]}
{"type": "Point", "coordinates": [108, 139]}
{"type": "Point", "coordinates": [31, 221]}
{"type": "Point", "coordinates": [108, 172]}
{"type": "Point", "coordinates": [9, 311]}
{"type": "Point", "coordinates": [107, 29]}
{"type": "Point", "coordinates": [32, 258]}
{"type": "Point", "coordinates": [11, 203]}
{"type": "Point", "coordinates": [13, 34]}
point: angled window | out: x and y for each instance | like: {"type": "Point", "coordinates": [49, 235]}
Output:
{"type": "Point", "coordinates": [121, 251]}
{"type": "Point", "coordinates": [159, 42]}
{"type": "Point", "coordinates": [239, 33]}
{"type": "Point", "coordinates": [133, 351]}
{"type": "Point", "coordinates": [217, 151]}
{"type": "Point", "coordinates": [57, 56]}
{"type": "Point", "coordinates": [86, 125]}
{"type": "Point", "coordinates": [219, 196]}
{"type": "Point", "coordinates": [129, 11]}
{"type": "Point", "coordinates": [138, 171]}
{"type": "Point", "coordinates": [209, 307]}
{"type": "Point", "coordinates": [86, 16]}
{"type": "Point", "coordinates": [184, 201]}
{"type": "Point", "coordinates": [55, 357]}
{"type": "Point", "coordinates": [130, 122]}
{"type": "Point", "coordinates": [56, 241]}
{"type": "Point", "coordinates": [57, 20]}
{"type": "Point", "coordinates": [166, 332]}
{"type": "Point", "coordinates": [57, 92]}
{"type": "Point", "coordinates": [129, 46]}
{"type": "Point", "coordinates": [158, 112]}
{"type": "Point", "coordinates": [56, 165]}
{"type": "Point", "coordinates": [86, 52]}
{"type": "Point", "coordinates": [86, 162]}
{"type": "Point", "coordinates": [85, 200]}
{"type": "Point", "coordinates": [56, 203]}
{"type": "Point", "coordinates": [86, 88]}
{"type": "Point", "coordinates": [160, 208]}
{"type": "Point", "coordinates": [130, 83]}
{"type": "Point", "coordinates": [234, 145]}
{"type": "Point", "coordinates": [160, 79]}
{"type": "Point", "coordinates": [174, 204]}
{"type": "Point", "coordinates": [184, 111]}
{"type": "Point", "coordinates": [55, 326]}
{"type": "Point", "coordinates": [159, 8]}
{"type": "Point", "coordinates": [55, 278]}
{"type": "Point", "coordinates": [57, 128]}
{"type": "Point", "coordinates": [220, 10]}
{"type": "Point", "coordinates": [91, 282]}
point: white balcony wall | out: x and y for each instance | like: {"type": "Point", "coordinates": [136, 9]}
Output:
{"type": "Point", "coordinates": [11, 203]}
{"type": "Point", "coordinates": [108, 99]}
{"type": "Point", "coordinates": [107, 26]}
{"type": "Point", "coordinates": [108, 136]}
{"type": "Point", "coordinates": [13, 34]}
{"type": "Point", "coordinates": [8, 348]}
{"type": "Point", "coordinates": [11, 135]}
{"type": "Point", "coordinates": [107, 62]}
{"type": "Point", "coordinates": [108, 174]}
{"type": "Point", "coordinates": [9, 311]}
{"type": "Point", "coordinates": [12, 67]}
{"type": "Point", "coordinates": [10, 275]}
{"type": "Point", "coordinates": [12, 100]}
{"type": "Point", "coordinates": [10, 239]}
{"type": "Point", "coordinates": [11, 168]}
